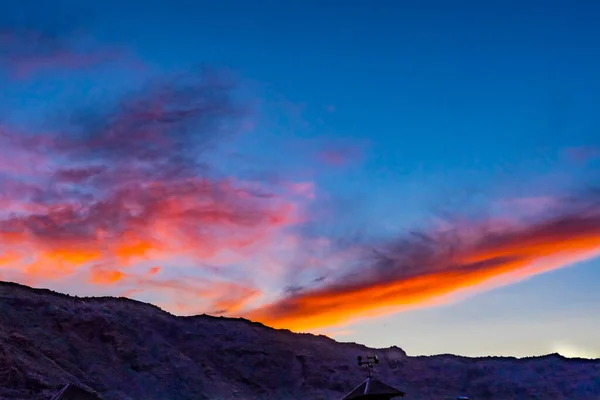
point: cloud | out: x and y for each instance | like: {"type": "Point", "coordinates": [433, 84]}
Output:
{"type": "Point", "coordinates": [428, 268]}
{"type": "Point", "coordinates": [524, 206]}
{"type": "Point", "coordinates": [340, 155]}
{"type": "Point", "coordinates": [102, 193]}
{"type": "Point", "coordinates": [581, 154]}
{"type": "Point", "coordinates": [124, 197]}
{"type": "Point", "coordinates": [193, 295]}
{"type": "Point", "coordinates": [330, 108]}
{"type": "Point", "coordinates": [25, 51]}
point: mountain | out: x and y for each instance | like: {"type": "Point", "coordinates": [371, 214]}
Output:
{"type": "Point", "coordinates": [127, 350]}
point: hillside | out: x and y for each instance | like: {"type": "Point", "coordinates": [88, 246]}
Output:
{"type": "Point", "coordinates": [127, 350]}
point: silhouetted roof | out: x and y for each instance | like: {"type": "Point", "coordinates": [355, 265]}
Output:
{"type": "Point", "coordinates": [373, 389]}
{"type": "Point", "coordinates": [72, 392]}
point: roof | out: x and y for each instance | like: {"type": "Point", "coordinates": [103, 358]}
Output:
{"type": "Point", "coordinates": [373, 389]}
{"type": "Point", "coordinates": [72, 392]}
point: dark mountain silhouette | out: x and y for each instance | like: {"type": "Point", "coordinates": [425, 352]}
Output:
{"type": "Point", "coordinates": [127, 350]}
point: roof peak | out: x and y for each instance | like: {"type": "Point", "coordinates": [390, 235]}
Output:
{"type": "Point", "coordinates": [373, 388]}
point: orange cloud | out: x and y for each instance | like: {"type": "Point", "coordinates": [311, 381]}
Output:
{"type": "Point", "coordinates": [106, 277]}
{"type": "Point", "coordinates": [159, 223]}
{"type": "Point", "coordinates": [155, 270]}
{"type": "Point", "coordinates": [426, 270]}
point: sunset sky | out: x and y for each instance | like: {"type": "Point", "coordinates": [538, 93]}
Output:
{"type": "Point", "coordinates": [421, 174]}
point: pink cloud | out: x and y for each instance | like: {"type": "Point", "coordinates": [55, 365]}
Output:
{"type": "Point", "coordinates": [303, 189]}
{"type": "Point", "coordinates": [581, 154]}
{"type": "Point", "coordinates": [25, 52]}
{"type": "Point", "coordinates": [340, 156]}
{"type": "Point", "coordinates": [527, 205]}
{"type": "Point", "coordinates": [95, 201]}
{"type": "Point", "coordinates": [330, 108]}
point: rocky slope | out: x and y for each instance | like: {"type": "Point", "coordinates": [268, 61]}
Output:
{"type": "Point", "coordinates": [123, 349]}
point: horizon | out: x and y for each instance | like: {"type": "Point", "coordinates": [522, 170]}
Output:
{"type": "Point", "coordinates": [287, 330]}
{"type": "Point", "coordinates": [422, 175]}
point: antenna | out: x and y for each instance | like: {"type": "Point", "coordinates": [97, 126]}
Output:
{"type": "Point", "coordinates": [369, 363]}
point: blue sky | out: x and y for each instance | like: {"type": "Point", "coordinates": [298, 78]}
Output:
{"type": "Point", "coordinates": [439, 106]}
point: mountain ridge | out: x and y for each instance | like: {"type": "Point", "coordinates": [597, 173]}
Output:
{"type": "Point", "coordinates": [126, 349]}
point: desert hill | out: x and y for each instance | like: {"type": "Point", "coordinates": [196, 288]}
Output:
{"type": "Point", "coordinates": [127, 350]}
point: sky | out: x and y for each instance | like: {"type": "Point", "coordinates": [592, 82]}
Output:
{"type": "Point", "coordinates": [420, 174]}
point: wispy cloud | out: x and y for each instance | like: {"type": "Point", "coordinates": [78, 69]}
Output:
{"type": "Point", "coordinates": [581, 154]}
{"type": "Point", "coordinates": [341, 154]}
{"type": "Point", "coordinates": [427, 268]}
{"type": "Point", "coordinates": [25, 51]}
{"type": "Point", "coordinates": [338, 157]}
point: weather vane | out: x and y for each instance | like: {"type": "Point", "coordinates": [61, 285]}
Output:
{"type": "Point", "coordinates": [369, 363]}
